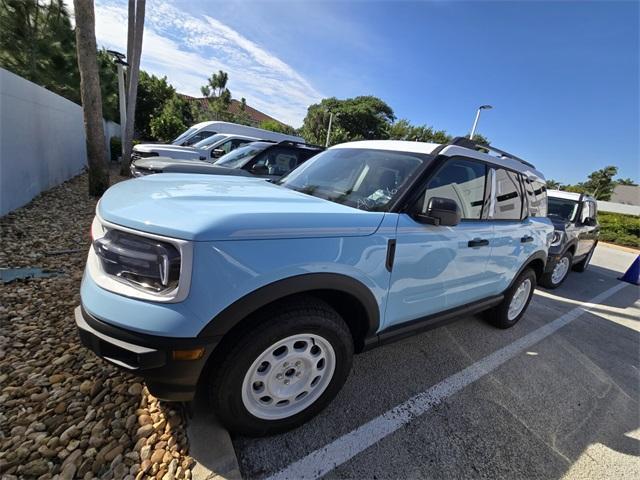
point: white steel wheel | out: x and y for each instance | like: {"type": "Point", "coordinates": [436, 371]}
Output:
{"type": "Point", "coordinates": [288, 377]}
{"type": "Point", "coordinates": [560, 270]}
{"type": "Point", "coordinates": [519, 299]}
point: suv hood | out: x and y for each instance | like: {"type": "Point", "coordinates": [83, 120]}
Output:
{"type": "Point", "coordinates": [212, 207]}
{"type": "Point", "coordinates": [172, 151]}
{"type": "Point", "coordinates": [160, 163]}
{"type": "Point", "coordinates": [156, 147]}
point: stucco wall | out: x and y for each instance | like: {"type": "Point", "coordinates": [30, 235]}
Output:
{"type": "Point", "coordinates": [42, 141]}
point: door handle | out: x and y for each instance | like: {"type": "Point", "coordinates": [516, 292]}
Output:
{"type": "Point", "coordinates": [478, 242]}
{"type": "Point", "coordinates": [526, 239]}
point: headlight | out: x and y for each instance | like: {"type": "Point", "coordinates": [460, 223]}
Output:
{"type": "Point", "coordinates": [144, 263]}
{"type": "Point", "coordinates": [556, 238]}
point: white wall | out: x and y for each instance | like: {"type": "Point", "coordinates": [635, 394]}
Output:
{"type": "Point", "coordinates": [618, 208]}
{"type": "Point", "coordinates": [42, 141]}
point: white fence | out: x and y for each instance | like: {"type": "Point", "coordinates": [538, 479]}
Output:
{"type": "Point", "coordinates": [42, 141]}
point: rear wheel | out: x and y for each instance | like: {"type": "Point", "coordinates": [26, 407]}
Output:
{"type": "Point", "coordinates": [555, 277]}
{"type": "Point", "coordinates": [582, 265]}
{"type": "Point", "coordinates": [515, 302]}
{"type": "Point", "coordinates": [284, 371]}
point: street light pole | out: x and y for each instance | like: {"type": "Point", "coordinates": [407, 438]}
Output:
{"type": "Point", "coordinates": [122, 96]}
{"type": "Point", "coordinates": [475, 122]}
{"type": "Point", "coordinates": [326, 144]}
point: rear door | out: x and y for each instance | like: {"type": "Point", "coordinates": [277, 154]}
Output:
{"type": "Point", "coordinates": [438, 267]}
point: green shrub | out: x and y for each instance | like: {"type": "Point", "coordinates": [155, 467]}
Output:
{"type": "Point", "coordinates": [116, 148]}
{"type": "Point", "coordinates": [619, 229]}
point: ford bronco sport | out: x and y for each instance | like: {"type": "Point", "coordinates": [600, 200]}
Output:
{"type": "Point", "coordinates": [261, 293]}
{"type": "Point", "coordinates": [574, 216]}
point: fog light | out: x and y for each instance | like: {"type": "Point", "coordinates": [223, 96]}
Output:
{"type": "Point", "coordinates": [193, 354]}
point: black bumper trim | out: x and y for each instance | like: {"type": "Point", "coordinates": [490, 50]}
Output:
{"type": "Point", "coordinates": [143, 355]}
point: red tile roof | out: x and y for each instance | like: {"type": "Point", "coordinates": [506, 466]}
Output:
{"type": "Point", "coordinates": [256, 116]}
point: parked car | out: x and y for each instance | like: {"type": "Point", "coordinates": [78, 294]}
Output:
{"type": "Point", "coordinates": [261, 293]}
{"type": "Point", "coordinates": [575, 218]}
{"type": "Point", "coordinates": [261, 159]}
{"type": "Point", "coordinates": [211, 148]}
{"type": "Point", "coordinates": [203, 130]}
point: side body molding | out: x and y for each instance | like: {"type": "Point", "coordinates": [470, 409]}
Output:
{"type": "Point", "coordinates": [250, 303]}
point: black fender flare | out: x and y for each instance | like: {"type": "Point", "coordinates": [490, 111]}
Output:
{"type": "Point", "coordinates": [298, 284]}
{"type": "Point", "coordinates": [539, 255]}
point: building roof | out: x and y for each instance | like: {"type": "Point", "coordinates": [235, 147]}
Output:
{"type": "Point", "coordinates": [256, 116]}
{"type": "Point", "coordinates": [626, 194]}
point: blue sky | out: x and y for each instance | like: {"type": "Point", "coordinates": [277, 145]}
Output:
{"type": "Point", "coordinates": [562, 76]}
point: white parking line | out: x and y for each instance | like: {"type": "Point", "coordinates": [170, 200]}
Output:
{"type": "Point", "coordinates": [334, 454]}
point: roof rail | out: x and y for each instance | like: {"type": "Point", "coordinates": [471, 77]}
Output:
{"type": "Point", "coordinates": [468, 143]}
{"type": "Point", "coordinates": [302, 144]}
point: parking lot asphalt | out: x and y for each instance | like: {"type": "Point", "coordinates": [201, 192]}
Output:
{"type": "Point", "coordinates": [556, 396]}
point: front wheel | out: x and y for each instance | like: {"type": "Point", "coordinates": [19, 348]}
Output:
{"type": "Point", "coordinates": [555, 277]}
{"type": "Point", "coordinates": [284, 371]}
{"type": "Point", "coordinates": [515, 302]}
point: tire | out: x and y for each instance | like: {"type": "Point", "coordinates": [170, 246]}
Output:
{"type": "Point", "coordinates": [560, 272]}
{"type": "Point", "coordinates": [582, 265]}
{"type": "Point", "coordinates": [499, 315]}
{"type": "Point", "coordinates": [257, 375]}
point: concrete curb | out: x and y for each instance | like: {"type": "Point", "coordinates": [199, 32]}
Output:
{"type": "Point", "coordinates": [210, 446]}
{"type": "Point", "coordinates": [620, 247]}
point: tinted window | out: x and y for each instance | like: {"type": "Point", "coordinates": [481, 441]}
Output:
{"type": "Point", "coordinates": [462, 181]}
{"type": "Point", "coordinates": [197, 137]}
{"type": "Point", "coordinates": [508, 196]}
{"type": "Point", "coordinates": [210, 140]}
{"type": "Point", "coordinates": [361, 178]}
{"type": "Point", "coordinates": [278, 161]}
{"type": "Point", "coordinates": [536, 197]}
{"type": "Point", "coordinates": [241, 156]}
{"type": "Point", "coordinates": [563, 208]}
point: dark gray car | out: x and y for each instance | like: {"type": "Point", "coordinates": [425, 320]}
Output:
{"type": "Point", "coordinates": [574, 217]}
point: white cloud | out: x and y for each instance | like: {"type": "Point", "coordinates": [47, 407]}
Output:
{"type": "Point", "coordinates": [187, 49]}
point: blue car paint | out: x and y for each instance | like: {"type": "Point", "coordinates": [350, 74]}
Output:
{"type": "Point", "coordinates": [214, 207]}
{"type": "Point", "coordinates": [242, 230]}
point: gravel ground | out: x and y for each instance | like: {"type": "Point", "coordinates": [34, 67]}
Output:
{"type": "Point", "coordinates": [63, 412]}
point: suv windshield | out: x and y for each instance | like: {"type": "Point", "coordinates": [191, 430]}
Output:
{"type": "Point", "coordinates": [361, 178]}
{"type": "Point", "coordinates": [563, 208]}
{"type": "Point", "coordinates": [240, 156]}
{"type": "Point", "coordinates": [184, 134]}
{"type": "Point", "coordinates": [209, 141]}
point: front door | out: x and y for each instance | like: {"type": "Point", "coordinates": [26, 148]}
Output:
{"type": "Point", "coordinates": [587, 228]}
{"type": "Point", "coordinates": [437, 268]}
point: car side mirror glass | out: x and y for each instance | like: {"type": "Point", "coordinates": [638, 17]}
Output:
{"type": "Point", "coordinates": [217, 153]}
{"type": "Point", "coordinates": [440, 211]}
{"type": "Point", "coordinates": [589, 221]}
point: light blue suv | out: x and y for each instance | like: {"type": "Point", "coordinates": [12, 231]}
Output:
{"type": "Point", "coordinates": [261, 293]}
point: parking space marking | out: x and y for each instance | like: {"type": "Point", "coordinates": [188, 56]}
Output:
{"type": "Point", "coordinates": [322, 461]}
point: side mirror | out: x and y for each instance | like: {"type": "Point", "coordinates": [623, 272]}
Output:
{"type": "Point", "coordinates": [259, 169]}
{"type": "Point", "coordinates": [217, 153]}
{"type": "Point", "coordinates": [589, 222]}
{"type": "Point", "coordinates": [440, 211]}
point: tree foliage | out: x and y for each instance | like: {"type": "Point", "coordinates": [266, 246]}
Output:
{"type": "Point", "coordinates": [219, 99]}
{"type": "Point", "coordinates": [174, 118]}
{"type": "Point", "coordinates": [358, 118]}
{"type": "Point", "coordinates": [627, 181]}
{"type": "Point", "coordinates": [276, 126]}
{"type": "Point", "coordinates": [154, 93]}
{"type": "Point", "coordinates": [403, 130]}
{"type": "Point", "coordinates": [553, 184]}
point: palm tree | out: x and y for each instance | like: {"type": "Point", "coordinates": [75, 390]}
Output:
{"type": "Point", "coordinates": [553, 184]}
{"type": "Point", "coordinates": [134, 50]}
{"type": "Point", "coordinates": [91, 98]}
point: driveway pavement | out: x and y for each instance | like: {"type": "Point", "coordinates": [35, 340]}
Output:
{"type": "Point", "coordinates": [555, 397]}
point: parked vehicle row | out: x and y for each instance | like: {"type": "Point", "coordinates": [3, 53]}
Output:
{"type": "Point", "coordinates": [258, 158]}
{"type": "Point", "coordinates": [261, 292]}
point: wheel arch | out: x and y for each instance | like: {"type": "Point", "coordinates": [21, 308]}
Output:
{"type": "Point", "coordinates": [537, 262]}
{"type": "Point", "coordinates": [353, 300]}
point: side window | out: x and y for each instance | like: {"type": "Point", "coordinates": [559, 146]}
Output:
{"type": "Point", "coordinates": [278, 161]}
{"type": "Point", "coordinates": [226, 146]}
{"type": "Point", "coordinates": [536, 197]}
{"type": "Point", "coordinates": [463, 181]}
{"type": "Point", "coordinates": [238, 142]}
{"type": "Point", "coordinates": [197, 137]}
{"type": "Point", "coordinates": [508, 196]}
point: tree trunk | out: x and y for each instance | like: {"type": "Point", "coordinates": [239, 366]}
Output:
{"type": "Point", "coordinates": [91, 97]}
{"type": "Point", "coordinates": [132, 84]}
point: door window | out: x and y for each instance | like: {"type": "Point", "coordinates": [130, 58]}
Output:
{"type": "Point", "coordinates": [278, 161]}
{"type": "Point", "coordinates": [536, 197]}
{"type": "Point", "coordinates": [464, 182]}
{"type": "Point", "coordinates": [508, 200]}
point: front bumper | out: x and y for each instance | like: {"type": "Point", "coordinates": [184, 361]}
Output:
{"type": "Point", "coordinates": [148, 356]}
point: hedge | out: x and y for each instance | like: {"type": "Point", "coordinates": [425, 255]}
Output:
{"type": "Point", "coordinates": [619, 229]}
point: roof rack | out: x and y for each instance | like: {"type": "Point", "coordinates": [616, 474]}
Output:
{"type": "Point", "coordinates": [468, 143]}
{"type": "Point", "coordinates": [302, 144]}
